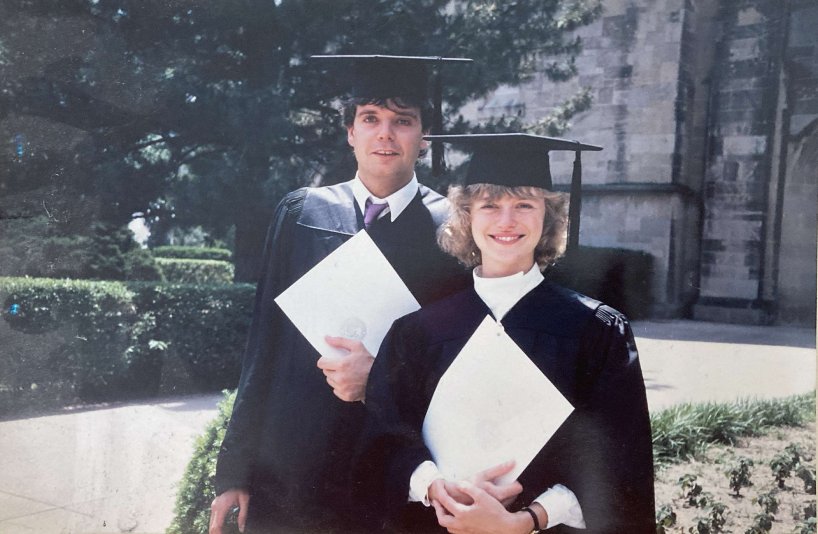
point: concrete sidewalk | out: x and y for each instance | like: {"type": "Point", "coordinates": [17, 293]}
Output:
{"type": "Point", "coordinates": [114, 469]}
{"type": "Point", "coordinates": [107, 470]}
{"type": "Point", "coordinates": [690, 361]}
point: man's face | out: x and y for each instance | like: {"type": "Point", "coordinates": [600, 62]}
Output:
{"type": "Point", "coordinates": [386, 141]}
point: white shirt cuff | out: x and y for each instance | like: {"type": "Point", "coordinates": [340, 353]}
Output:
{"type": "Point", "coordinates": [421, 479]}
{"type": "Point", "coordinates": [562, 507]}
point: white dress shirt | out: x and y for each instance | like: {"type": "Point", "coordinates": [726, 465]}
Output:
{"type": "Point", "coordinates": [500, 295]}
{"type": "Point", "coordinates": [397, 201]}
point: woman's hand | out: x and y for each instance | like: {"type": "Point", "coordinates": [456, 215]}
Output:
{"type": "Point", "coordinates": [505, 493]}
{"type": "Point", "coordinates": [486, 515]}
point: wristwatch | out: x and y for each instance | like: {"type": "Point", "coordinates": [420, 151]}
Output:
{"type": "Point", "coordinates": [536, 529]}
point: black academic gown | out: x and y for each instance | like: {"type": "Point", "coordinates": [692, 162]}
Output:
{"type": "Point", "coordinates": [602, 452]}
{"type": "Point", "coordinates": [290, 441]}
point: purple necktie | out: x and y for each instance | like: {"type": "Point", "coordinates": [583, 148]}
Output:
{"type": "Point", "coordinates": [372, 211]}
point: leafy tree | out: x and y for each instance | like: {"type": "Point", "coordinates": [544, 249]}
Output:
{"type": "Point", "coordinates": [207, 113]}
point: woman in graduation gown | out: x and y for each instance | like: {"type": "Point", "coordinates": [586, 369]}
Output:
{"type": "Point", "coordinates": [596, 472]}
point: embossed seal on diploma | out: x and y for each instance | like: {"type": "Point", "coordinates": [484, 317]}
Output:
{"type": "Point", "coordinates": [352, 328]}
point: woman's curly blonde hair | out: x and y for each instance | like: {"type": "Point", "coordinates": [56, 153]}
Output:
{"type": "Point", "coordinates": [455, 236]}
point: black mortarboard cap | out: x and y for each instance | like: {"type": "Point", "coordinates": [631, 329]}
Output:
{"type": "Point", "coordinates": [510, 159]}
{"type": "Point", "coordinates": [520, 160]}
{"type": "Point", "coordinates": [379, 76]}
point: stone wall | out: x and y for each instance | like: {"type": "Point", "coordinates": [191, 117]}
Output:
{"type": "Point", "coordinates": [743, 116]}
{"type": "Point", "coordinates": [631, 58]}
{"type": "Point", "coordinates": [759, 234]}
{"type": "Point", "coordinates": [795, 276]}
{"type": "Point", "coordinates": [707, 112]}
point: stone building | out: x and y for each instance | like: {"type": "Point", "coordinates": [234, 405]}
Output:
{"type": "Point", "coordinates": [708, 114]}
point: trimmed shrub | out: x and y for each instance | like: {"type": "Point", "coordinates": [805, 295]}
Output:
{"type": "Point", "coordinates": [140, 265]}
{"type": "Point", "coordinates": [90, 343]}
{"type": "Point", "coordinates": [206, 327]}
{"type": "Point", "coordinates": [192, 509]}
{"type": "Point", "coordinates": [196, 271]}
{"type": "Point", "coordinates": [618, 277]}
{"type": "Point", "coordinates": [193, 253]}
{"type": "Point", "coordinates": [66, 342]}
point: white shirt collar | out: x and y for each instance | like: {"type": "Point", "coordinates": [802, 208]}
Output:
{"type": "Point", "coordinates": [501, 294]}
{"type": "Point", "coordinates": [397, 201]}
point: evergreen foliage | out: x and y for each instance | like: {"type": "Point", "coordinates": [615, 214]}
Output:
{"type": "Point", "coordinates": [620, 278]}
{"type": "Point", "coordinates": [206, 327]}
{"type": "Point", "coordinates": [99, 345]}
{"type": "Point", "coordinates": [196, 271]}
{"type": "Point", "coordinates": [195, 492]}
{"type": "Point", "coordinates": [206, 114]}
{"type": "Point", "coordinates": [192, 253]}
{"type": "Point", "coordinates": [68, 341]}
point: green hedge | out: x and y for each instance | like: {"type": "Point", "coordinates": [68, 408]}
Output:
{"type": "Point", "coordinates": [69, 340]}
{"type": "Point", "coordinates": [206, 327]}
{"type": "Point", "coordinates": [618, 277]}
{"type": "Point", "coordinates": [66, 342]}
{"type": "Point", "coordinates": [193, 253]}
{"type": "Point", "coordinates": [196, 271]}
{"type": "Point", "coordinates": [677, 432]}
{"type": "Point", "coordinates": [191, 513]}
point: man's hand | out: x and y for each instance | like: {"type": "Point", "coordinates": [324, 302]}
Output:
{"type": "Point", "coordinates": [504, 493]}
{"type": "Point", "coordinates": [347, 375]}
{"type": "Point", "coordinates": [222, 505]}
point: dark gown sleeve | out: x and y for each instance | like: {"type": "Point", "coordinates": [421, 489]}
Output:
{"type": "Point", "coordinates": [606, 457]}
{"type": "Point", "coordinates": [240, 446]}
{"type": "Point", "coordinates": [392, 444]}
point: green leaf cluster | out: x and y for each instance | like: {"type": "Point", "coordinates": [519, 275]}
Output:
{"type": "Point", "coordinates": [684, 431]}
{"type": "Point", "coordinates": [620, 278]}
{"type": "Point", "coordinates": [206, 114]}
{"type": "Point", "coordinates": [196, 491]}
{"type": "Point", "coordinates": [205, 327]}
{"type": "Point", "coordinates": [785, 462]}
{"type": "Point", "coordinates": [192, 253]}
{"type": "Point", "coordinates": [97, 350]}
{"type": "Point", "coordinates": [665, 519]}
{"type": "Point", "coordinates": [739, 474]}
{"type": "Point", "coordinates": [768, 502]}
{"type": "Point", "coordinates": [806, 473]}
{"type": "Point", "coordinates": [696, 496]}
{"type": "Point", "coordinates": [196, 271]}
{"type": "Point", "coordinates": [713, 523]}
{"type": "Point", "coordinates": [762, 523]}
{"type": "Point", "coordinates": [807, 526]}
{"type": "Point", "coordinates": [692, 491]}
{"type": "Point", "coordinates": [69, 341]}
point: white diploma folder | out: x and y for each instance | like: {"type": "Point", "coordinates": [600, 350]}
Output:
{"type": "Point", "coordinates": [354, 293]}
{"type": "Point", "coordinates": [491, 405]}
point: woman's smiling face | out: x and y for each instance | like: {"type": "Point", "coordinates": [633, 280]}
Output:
{"type": "Point", "coordinates": [507, 230]}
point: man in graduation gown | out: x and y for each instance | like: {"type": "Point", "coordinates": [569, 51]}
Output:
{"type": "Point", "coordinates": [286, 456]}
